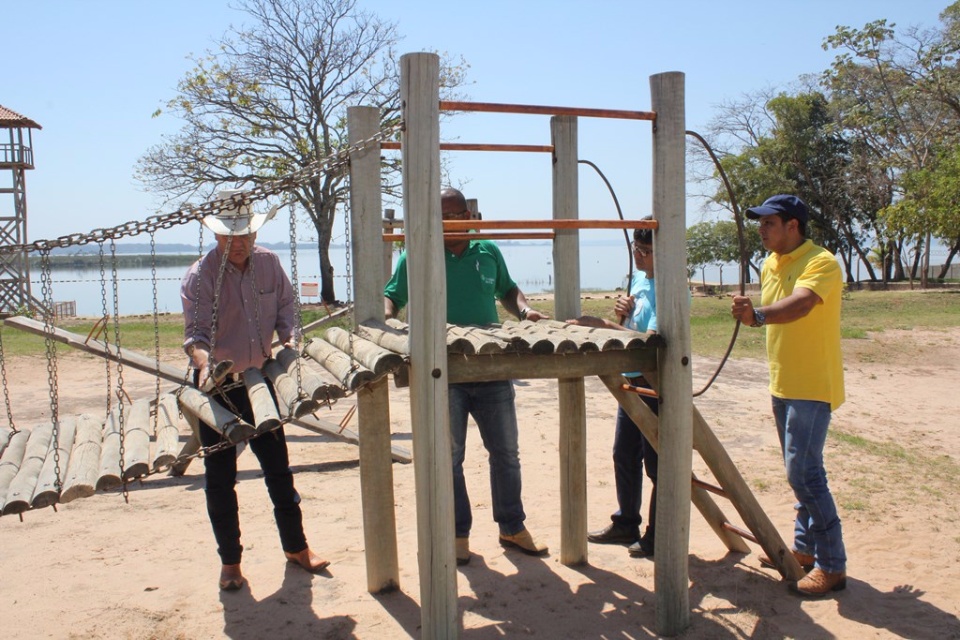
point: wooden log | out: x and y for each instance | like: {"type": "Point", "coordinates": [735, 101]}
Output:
{"type": "Point", "coordinates": [351, 375]}
{"type": "Point", "coordinates": [386, 336]}
{"type": "Point", "coordinates": [50, 481]}
{"type": "Point", "coordinates": [671, 579]}
{"type": "Point", "coordinates": [24, 483]}
{"type": "Point", "coordinates": [206, 409]}
{"type": "Point", "coordinates": [265, 414]}
{"type": "Point", "coordinates": [136, 440]}
{"type": "Point", "coordinates": [429, 410]}
{"type": "Point", "coordinates": [311, 383]}
{"type": "Point", "coordinates": [294, 402]}
{"type": "Point", "coordinates": [477, 341]}
{"type": "Point", "coordinates": [570, 390]}
{"type": "Point", "coordinates": [587, 338]}
{"type": "Point", "coordinates": [11, 460]}
{"type": "Point", "coordinates": [511, 366]}
{"type": "Point", "coordinates": [562, 340]}
{"type": "Point", "coordinates": [540, 345]}
{"type": "Point", "coordinates": [190, 447]}
{"type": "Point", "coordinates": [109, 473]}
{"type": "Point", "coordinates": [81, 478]}
{"type": "Point", "coordinates": [371, 355]}
{"type": "Point", "coordinates": [168, 433]}
{"type": "Point", "coordinates": [457, 342]}
{"type": "Point", "coordinates": [397, 324]}
{"type": "Point", "coordinates": [5, 435]}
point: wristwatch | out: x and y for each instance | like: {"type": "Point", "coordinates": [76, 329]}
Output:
{"type": "Point", "coordinates": [759, 318]}
{"type": "Point", "coordinates": [524, 312]}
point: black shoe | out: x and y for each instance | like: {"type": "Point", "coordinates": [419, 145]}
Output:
{"type": "Point", "coordinates": [642, 548]}
{"type": "Point", "coordinates": [615, 534]}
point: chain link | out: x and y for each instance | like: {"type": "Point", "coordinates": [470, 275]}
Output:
{"type": "Point", "coordinates": [6, 388]}
{"type": "Point", "coordinates": [120, 392]}
{"type": "Point", "coordinates": [51, 347]}
{"type": "Point", "coordinates": [106, 341]}
{"type": "Point", "coordinates": [297, 308]}
{"type": "Point", "coordinates": [332, 164]}
{"type": "Point", "coordinates": [156, 331]}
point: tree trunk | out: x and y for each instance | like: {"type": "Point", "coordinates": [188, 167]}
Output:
{"type": "Point", "coordinates": [945, 269]}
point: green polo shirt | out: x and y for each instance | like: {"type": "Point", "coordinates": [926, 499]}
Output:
{"type": "Point", "coordinates": [476, 279]}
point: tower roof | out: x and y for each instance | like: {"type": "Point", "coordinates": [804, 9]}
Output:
{"type": "Point", "coordinates": [10, 119]}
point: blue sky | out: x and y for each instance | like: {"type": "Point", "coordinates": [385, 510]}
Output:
{"type": "Point", "coordinates": [92, 73]}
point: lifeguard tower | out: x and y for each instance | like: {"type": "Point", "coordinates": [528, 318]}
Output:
{"type": "Point", "coordinates": [16, 156]}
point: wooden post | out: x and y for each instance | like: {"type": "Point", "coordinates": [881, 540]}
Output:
{"type": "Point", "coordinates": [676, 381]}
{"type": "Point", "coordinates": [373, 401]}
{"type": "Point", "coordinates": [573, 416]}
{"type": "Point", "coordinates": [429, 405]}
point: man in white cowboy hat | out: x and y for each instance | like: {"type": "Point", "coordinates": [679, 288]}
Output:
{"type": "Point", "coordinates": [254, 301]}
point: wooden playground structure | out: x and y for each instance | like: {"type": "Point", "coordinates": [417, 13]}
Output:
{"type": "Point", "coordinates": [428, 355]}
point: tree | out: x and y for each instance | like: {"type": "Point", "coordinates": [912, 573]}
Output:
{"type": "Point", "coordinates": [718, 243]}
{"type": "Point", "coordinates": [273, 99]}
{"type": "Point", "coordinates": [898, 96]}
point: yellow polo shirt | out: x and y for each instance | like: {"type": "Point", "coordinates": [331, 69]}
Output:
{"type": "Point", "coordinates": [804, 355]}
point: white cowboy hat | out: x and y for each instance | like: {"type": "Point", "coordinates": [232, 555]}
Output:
{"type": "Point", "coordinates": [235, 221]}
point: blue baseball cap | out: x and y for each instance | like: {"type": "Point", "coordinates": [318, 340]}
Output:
{"type": "Point", "coordinates": [788, 206]}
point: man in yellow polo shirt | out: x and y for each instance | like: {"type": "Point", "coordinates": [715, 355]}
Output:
{"type": "Point", "coordinates": [800, 290]}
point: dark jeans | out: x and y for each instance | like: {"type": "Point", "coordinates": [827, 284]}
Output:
{"type": "Point", "coordinates": [631, 453]}
{"type": "Point", "coordinates": [492, 406]}
{"type": "Point", "coordinates": [221, 477]}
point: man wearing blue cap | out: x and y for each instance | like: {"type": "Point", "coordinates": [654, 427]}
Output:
{"type": "Point", "coordinates": [800, 290]}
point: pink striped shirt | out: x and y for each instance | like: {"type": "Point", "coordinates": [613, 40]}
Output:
{"type": "Point", "coordinates": [241, 335]}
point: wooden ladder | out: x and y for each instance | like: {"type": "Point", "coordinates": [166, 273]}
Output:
{"type": "Point", "coordinates": [732, 486]}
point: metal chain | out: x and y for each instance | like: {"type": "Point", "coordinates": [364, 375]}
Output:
{"type": "Point", "coordinates": [106, 342]}
{"type": "Point", "coordinates": [6, 388]}
{"type": "Point", "coordinates": [297, 308]}
{"type": "Point", "coordinates": [120, 391]}
{"type": "Point", "coordinates": [349, 249]}
{"type": "Point", "coordinates": [333, 163]}
{"type": "Point", "coordinates": [51, 346]}
{"type": "Point", "coordinates": [257, 292]}
{"type": "Point", "coordinates": [156, 330]}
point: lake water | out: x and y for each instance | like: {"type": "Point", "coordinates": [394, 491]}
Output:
{"type": "Point", "coordinates": [603, 266]}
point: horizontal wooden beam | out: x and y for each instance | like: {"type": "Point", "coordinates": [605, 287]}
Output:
{"type": "Point", "coordinates": [467, 146]}
{"type": "Point", "coordinates": [492, 107]}
{"type": "Point", "coordinates": [463, 235]}
{"type": "Point", "coordinates": [509, 366]}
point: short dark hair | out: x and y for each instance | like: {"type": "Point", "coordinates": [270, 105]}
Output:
{"type": "Point", "coordinates": [643, 236]}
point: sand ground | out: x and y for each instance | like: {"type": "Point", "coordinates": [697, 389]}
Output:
{"type": "Point", "coordinates": [104, 568]}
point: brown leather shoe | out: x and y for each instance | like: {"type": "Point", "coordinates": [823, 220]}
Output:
{"type": "Point", "coordinates": [230, 577]}
{"type": "Point", "coordinates": [308, 560]}
{"type": "Point", "coordinates": [805, 559]}
{"type": "Point", "coordinates": [524, 541]}
{"type": "Point", "coordinates": [819, 583]}
{"type": "Point", "coordinates": [463, 551]}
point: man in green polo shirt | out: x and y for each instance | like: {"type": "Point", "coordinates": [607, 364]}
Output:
{"type": "Point", "coordinates": [477, 277]}
{"type": "Point", "coordinates": [800, 290]}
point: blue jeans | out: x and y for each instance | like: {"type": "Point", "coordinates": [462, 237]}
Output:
{"type": "Point", "coordinates": [220, 472]}
{"type": "Point", "coordinates": [631, 454]}
{"type": "Point", "coordinates": [802, 428]}
{"type": "Point", "coordinates": [492, 406]}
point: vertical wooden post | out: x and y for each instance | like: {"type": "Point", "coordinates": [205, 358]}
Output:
{"type": "Point", "coordinates": [573, 417]}
{"type": "Point", "coordinates": [676, 382]}
{"type": "Point", "coordinates": [373, 402]}
{"type": "Point", "coordinates": [473, 207]}
{"type": "Point", "coordinates": [429, 405]}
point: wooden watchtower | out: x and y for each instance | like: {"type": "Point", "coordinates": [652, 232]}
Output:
{"type": "Point", "coordinates": [16, 156]}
